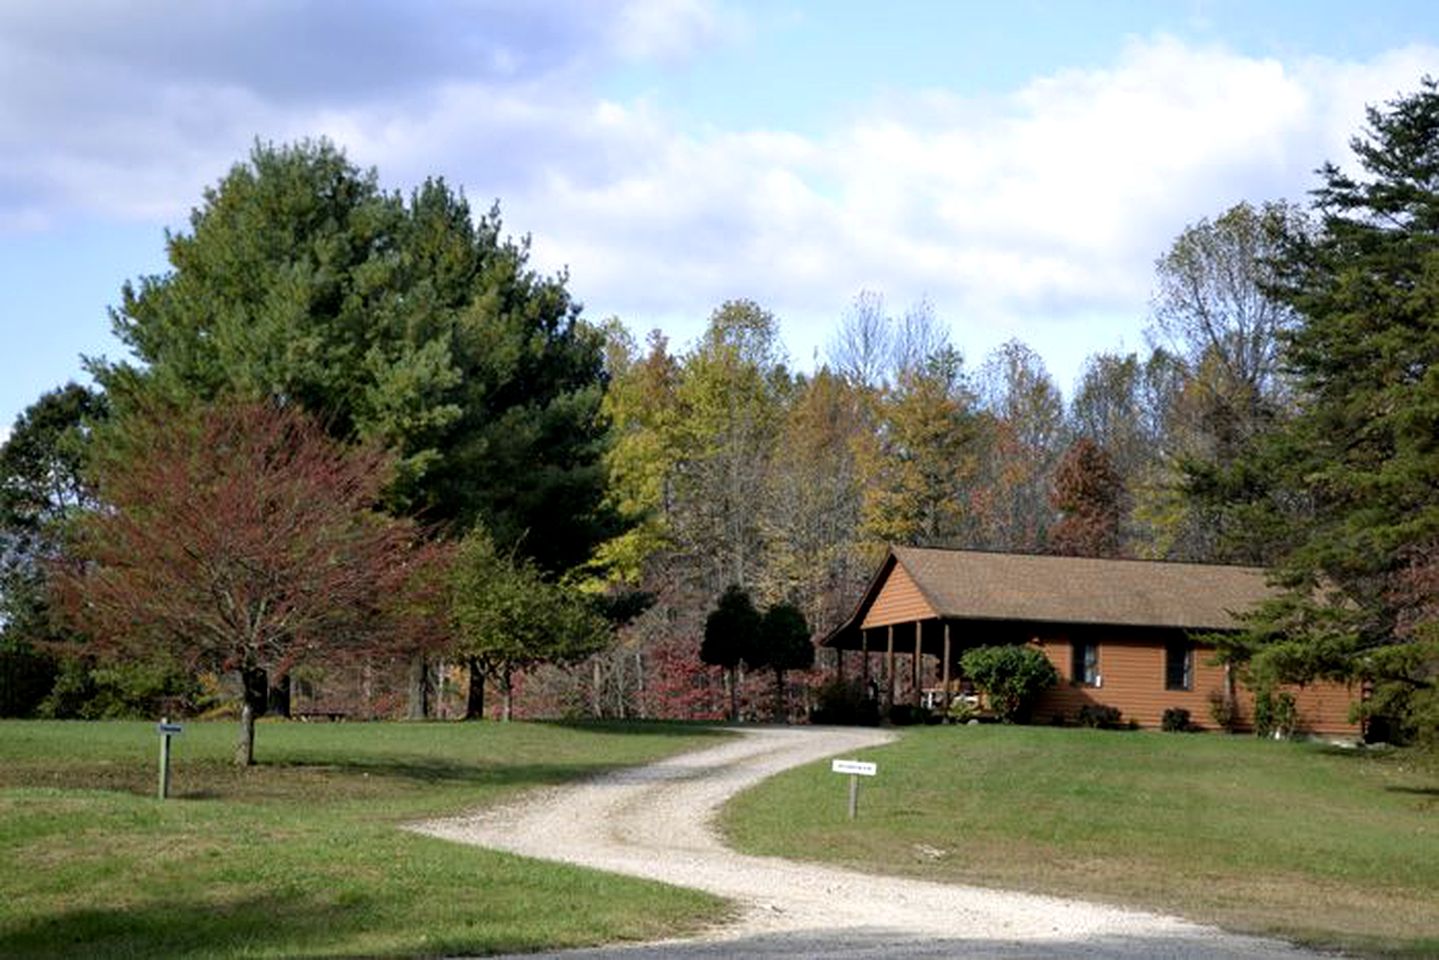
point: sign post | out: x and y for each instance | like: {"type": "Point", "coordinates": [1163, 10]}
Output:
{"type": "Point", "coordinates": [166, 730]}
{"type": "Point", "coordinates": [855, 769]}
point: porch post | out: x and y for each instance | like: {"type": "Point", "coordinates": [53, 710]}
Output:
{"type": "Point", "coordinates": [889, 678]}
{"type": "Point", "coordinates": [864, 659]}
{"type": "Point", "coordinates": [918, 654]}
{"type": "Point", "coordinates": [839, 664]}
{"type": "Point", "coordinates": [944, 698]}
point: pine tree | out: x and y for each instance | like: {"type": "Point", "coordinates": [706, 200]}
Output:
{"type": "Point", "coordinates": [731, 632]}
{"type": "Point", "coordinates": [1363, 450]}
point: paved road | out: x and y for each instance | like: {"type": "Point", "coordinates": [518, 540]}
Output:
{"type": "Point", "coordinates": [655, 822]}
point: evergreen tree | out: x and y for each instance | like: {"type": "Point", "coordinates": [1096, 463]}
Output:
{"type": "Point", "coordinates": [1363, 451]}
{"type": "Point", "coordinates": [42, 486]}
{"type": "Point", "coordinates": [403, 322]}
{"type": "Point", "coordinates": [783, 644]}
{"type": "Point", "coordinates": [731, 633]}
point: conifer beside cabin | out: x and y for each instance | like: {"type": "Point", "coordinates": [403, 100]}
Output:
{"type": "Point", "coordinates": [1123, 634]}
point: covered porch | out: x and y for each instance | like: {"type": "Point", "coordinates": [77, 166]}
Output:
{"type": "Point", "coordinates": [916, 661]}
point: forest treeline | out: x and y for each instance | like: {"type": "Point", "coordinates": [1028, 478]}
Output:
{"type": "Point", "coordinates": [562, 491]}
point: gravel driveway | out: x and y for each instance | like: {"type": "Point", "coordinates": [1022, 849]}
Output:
{"type": "Point", "coordinates": [655, 822]}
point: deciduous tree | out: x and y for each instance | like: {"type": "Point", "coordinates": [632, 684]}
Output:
{"type": "Point", "coordinates": [920, 464]}
{"type": "Point", "coordinates": [1214, 308]}
{"type": "Point", "coordinates": [1088, 494]}
{"type": "Point", "coordinates": [813, 499]}
{"type": "Point", "coordinates": [507, 616]}
{"type": "Point", "coordinates": [731, 395]}
{"type": "Point", "coordinates": [1024, 438]}
{"type": "Point", "coordinates": [239, 536]}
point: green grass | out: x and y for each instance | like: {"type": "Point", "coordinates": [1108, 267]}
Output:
{"type": "Point", "coordinates": [303, 855]}
{"type": "Point", "coordinates": [1316, 844]}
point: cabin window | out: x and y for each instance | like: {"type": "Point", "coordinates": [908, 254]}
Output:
{"type": "Point", "coordinates": [1085, 669]}
{"type": "Point", "coordinates": [1179, 667]}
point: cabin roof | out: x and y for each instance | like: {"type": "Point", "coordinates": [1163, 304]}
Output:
{"type": "Point", "coordinates": [977, 585]}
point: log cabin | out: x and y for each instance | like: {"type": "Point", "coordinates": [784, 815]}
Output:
{"type": "Point", "coordinates": [1125, 634]}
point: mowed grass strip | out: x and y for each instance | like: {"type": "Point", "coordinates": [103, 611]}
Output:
{"type": "Point", "coordinates": [304, 855]}
{"type": "Point", "coordinates": [1330, 847]}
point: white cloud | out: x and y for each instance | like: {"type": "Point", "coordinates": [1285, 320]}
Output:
{"type": "Point", "coordinates": [669, 30]}
{"type": "Point", "coordinates": [1037, 214]}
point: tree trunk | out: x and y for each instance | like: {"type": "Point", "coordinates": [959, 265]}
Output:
{"type": "Point", "coordinates": [779, 712]}
{"type": "Point", "coordinates": [419, 688]}
{"type": "Point", "coordinates": [245, 746]}
{"type": "Point", "coordinates": [597, 677]}
{"type": "Point", "coordinates": [255, 689]}
{"type": "Point", "coordinates": [732, 688]}
{"type": "Point", "coordinates": [507, 688]}
{"type": "Point", "coordinates": [278, 697]}
{"type": "Point", "coordinates": [441, 708]}
{"type": "Point", "coordinates": [475, 696]}
{"type": "Point", "coordinates": [639, 685]}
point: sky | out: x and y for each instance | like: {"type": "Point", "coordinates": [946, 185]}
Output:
{"type": "Point", "coordinates": [1018, 165]}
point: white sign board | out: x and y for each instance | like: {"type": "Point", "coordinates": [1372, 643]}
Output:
{"type": "Point", "coordinates": [855, 767]}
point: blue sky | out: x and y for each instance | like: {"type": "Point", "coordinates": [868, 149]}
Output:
{"type": "Point", "coordinates": [1019, 165]}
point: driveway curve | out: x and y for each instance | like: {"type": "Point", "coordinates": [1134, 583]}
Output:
{"type": "Point", "coordinates": [657, 822]}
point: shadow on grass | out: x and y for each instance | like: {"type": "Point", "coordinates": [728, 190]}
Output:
{"type": "Point", "coordinates": [652, 728]}
{"type": "Point", "coordinates": [436, 771]}
{"type": "Point", "coordinates": [1414, 791]}
{"type": "Point", "coordinates": [299, 779]}
{"type": "Point", "coordinates": [291, 925]}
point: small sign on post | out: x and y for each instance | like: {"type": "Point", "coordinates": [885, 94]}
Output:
{"type": "Point", "coordinates": [166, 730]}
{"type": "Point", "coordinates": [855, 769]}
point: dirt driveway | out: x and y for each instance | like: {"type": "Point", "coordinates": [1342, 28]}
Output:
{"type": "Point", "coordinates": [656, 822]}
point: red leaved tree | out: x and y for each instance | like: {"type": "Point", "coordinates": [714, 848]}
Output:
{"type": "Point", "coordinates": [1089, 495]}
{"type": "Point", "coordinates": [244, 539]}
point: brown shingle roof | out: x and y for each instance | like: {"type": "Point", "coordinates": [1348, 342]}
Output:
{"type": "Point", "coordinates": [964, 584]}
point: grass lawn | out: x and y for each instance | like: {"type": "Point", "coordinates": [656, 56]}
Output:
{"type": "Point", "coordinates": [301, 856]}
{"type": "Point", "coordinates": [1316, 844]}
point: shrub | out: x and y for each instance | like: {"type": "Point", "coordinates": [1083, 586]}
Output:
{"type": "Point", "coordinates": [1176, 720]}
{"type": "Point", "coordinates": [86, 691]}
{"type": "Point", "coordinates": [1275, 714]}
{"type": "Point", "coordinates": [962, 711]}
{"type": "Point", "coordinates": [904, 715]}
{"type": "Point", "coordinates": [1224, 712]}
{"type": "Point", "coordinates": [1099, 717]}
{"type": "Point", "coordinates": [844, 702]}
{"type": "Point", "coordinates": [1011, 677]}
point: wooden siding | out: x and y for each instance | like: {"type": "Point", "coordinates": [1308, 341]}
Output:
{"type": "Point", "coordinates": [1132, 678]}
{"type": "Point", "coordinates": [899, 601]}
